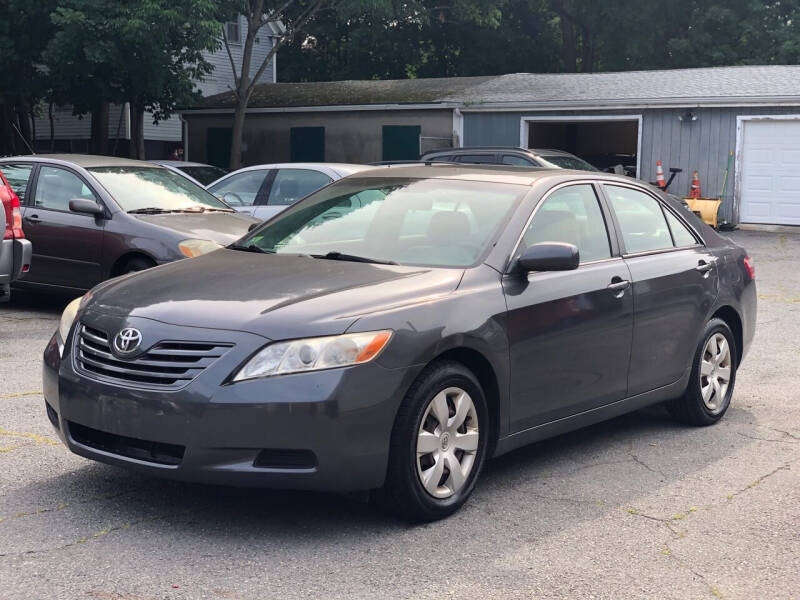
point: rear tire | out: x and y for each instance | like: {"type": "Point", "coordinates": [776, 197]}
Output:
{"type": "Point", "coordinates": [433, 466]}
{"type": "Point", "coordinates": [708, 395]}
{"type": "Point", "coordinates": [137, 263]}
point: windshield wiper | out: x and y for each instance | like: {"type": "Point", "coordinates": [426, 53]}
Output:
{"type": "Point", "coordinates": [334, 255]}
{"type": "Point", "coordinates": [149, 210]}
{"type": "Point", "coordinates": [250, 248]}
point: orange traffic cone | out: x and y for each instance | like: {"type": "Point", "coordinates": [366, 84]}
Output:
{"type": "Point", "coordinates": [695, 191]}
{"type": "Point", "coordinates": [660, 181]}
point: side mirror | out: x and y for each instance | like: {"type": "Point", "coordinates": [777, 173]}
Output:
{"type": "Point", "coordinates": [549, 256]}
{"type": "Point", "coordinates": [83, 205]}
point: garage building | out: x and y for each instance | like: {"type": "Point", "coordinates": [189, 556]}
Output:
{"type": "Point", "coordinates": [739, 127]}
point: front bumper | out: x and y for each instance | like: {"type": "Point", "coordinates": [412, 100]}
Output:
{"type": "Point", "coordinates": [324, 430]}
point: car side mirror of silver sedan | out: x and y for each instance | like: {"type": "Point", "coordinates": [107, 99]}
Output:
{"type": "Point", "coordinates": [549, 256]}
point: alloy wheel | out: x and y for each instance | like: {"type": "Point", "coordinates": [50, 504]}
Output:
{"type": "Point", "coordinates": [447, 442]}
{"type": "Point", "coordinates": [715, 372]}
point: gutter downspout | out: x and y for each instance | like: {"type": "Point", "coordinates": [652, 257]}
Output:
{"type": "Point", "coordinates": [458, 128]}
{"type": "Point", "coordinates": [184, 136]}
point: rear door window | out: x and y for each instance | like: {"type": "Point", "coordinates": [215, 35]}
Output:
{"type": "Point", "coordinates": [18, 177]}
{"type": "Point", "coordinates": [680, 233]}
{"type": "Point", "coordinates": [241, 189]}
{"type": "Point", "coordinates": [292, 184]}
{"type": "Point", "coordinates": [641, 220]}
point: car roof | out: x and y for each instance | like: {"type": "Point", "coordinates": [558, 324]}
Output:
{"type": "Point", "coordinates": [83, 160]}
{"type": "Point", "coordinates": [469, 149]}
{"type": "Point", "coordinates": [488, 173]}
{"type": "Point", "coordinates": [310, 165]}
{"type": "Point", "coordinates": [180, 163]}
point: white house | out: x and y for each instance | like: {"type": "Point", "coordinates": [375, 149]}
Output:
{"type": "Point", "coordinates": [71, 133]}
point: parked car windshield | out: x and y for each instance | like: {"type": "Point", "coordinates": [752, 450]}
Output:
{"type": "Point", "coordinates": [567, 162]}
{"type": "Point", "coordinates": [204, 175]}
{"type": "Point", "coordinates": [141, 188]}
{"type": "Point", "coordinates": [431, 222]}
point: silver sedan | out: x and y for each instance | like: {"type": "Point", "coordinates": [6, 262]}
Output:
{"type": "Point", "coordinates": [265, 190]}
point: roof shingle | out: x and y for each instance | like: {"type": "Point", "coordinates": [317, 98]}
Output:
{"type": "Point", "coordinates": [713, 85]}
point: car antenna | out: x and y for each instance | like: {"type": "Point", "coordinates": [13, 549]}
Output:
{"type": "Point", "coordinates": [22, 137]}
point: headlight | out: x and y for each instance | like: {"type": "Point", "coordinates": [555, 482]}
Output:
{"type": "Point", "coordinates": [192, 248]}
{"type": "Point", "coordinates": [68, 318]}
{"type": "Point", "coordinates": [314, 354]}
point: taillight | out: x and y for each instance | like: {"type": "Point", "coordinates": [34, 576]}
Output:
{"type": "Point", "coordinates": [13, 214]}
{"type": "Point", "coordinates": [748, 264]}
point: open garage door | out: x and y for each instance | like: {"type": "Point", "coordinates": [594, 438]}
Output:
{"type": "Point", "coordinates": [768, 157]}
{"type": "Point", "coordinates": [605, 142]}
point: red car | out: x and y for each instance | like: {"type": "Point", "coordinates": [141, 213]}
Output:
{"type": "Point", "coordinates": [15, 250]}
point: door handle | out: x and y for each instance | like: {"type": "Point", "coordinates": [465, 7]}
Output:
{"type": "Point", "coordinates": [704, 267]}
{"type": "Point", "coordinates": [33, 219]}
{"type": "Point", "coordinates": [618, 286]}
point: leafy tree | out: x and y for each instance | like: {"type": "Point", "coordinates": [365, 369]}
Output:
{"type": "Point", "coordinates": [24, 30]}
{"type": "Point", "coordinates": [147, 53]}
{"type": "Point", "coordinates": [295, 15]}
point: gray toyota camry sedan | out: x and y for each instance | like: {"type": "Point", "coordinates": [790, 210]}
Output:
{"type": "Point", "coordinates": [394, 330]}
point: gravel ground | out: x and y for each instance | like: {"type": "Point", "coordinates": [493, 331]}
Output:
{"type": "Point", "coordinates": [638, 507]}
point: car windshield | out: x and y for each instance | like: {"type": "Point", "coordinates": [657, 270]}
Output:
{"type": "Point", "coordinates": [154, 188]}
{"type": "Point", "coordinates": [563, 161]}
{"type": "Point", "coordinates": [431, 222]}
{"type": "Point", "coordinates": [204, 175]}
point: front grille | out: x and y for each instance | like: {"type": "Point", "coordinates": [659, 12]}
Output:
{"type": "Point", "coordinates": [157, 452]}
{"type": "Point", "coordinates": [167, 365]}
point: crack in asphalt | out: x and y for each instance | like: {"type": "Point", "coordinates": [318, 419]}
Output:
{"type": "Point", "coordinates": [64, 505]}
{"type": "Point", "coordinates": [751, 485]}
{"type": "Point", "coordinates": [786, 433]}
{"type": "Point", "coordinates": [761, 439]}
{"type": "Point", "coordinates": [89, 538]}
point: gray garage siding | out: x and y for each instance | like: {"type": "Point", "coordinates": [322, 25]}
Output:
{"type": "Point", "coordinates": [703, 144]}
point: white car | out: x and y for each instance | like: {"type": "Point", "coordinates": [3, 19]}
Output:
{"type": "Point", "coordinates": [265, 190]}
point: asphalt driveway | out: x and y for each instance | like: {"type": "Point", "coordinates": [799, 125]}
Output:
{"type": "Point", "coordinates": [638, 507]}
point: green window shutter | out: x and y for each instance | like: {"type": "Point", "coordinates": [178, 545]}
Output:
{"type": "Point", "coordinates": [307, 144]}
{"type": "Point", "coordinates": [401, 142]}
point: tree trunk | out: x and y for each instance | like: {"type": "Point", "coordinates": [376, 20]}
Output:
{"type": "Point", "coordinates": [8, 144]}
{"type": "Point", "coordinates": [137, 132]}
{"type": "Point", "coordinates": [52, 127]}
{"type": "Point", "coordinates": [569, 51]}
{"type": "Point", "coordinates": [98, 143]}
{"type": "Point", "coordinates": [237, 133]}
{"type": "Point", "coordinates": [24, 124]}
{"type": "Point", "coordinates": [587, 50]}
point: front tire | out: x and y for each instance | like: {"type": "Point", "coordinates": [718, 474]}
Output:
{"type": "Point", "coordinates": [439, 444]}
{"type": "Point", "coordinates": [135, 264]}
{"type": "Point", "coordinates": [708, 395]}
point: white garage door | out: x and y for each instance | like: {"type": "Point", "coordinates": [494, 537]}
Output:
{"type": "Point", "coordinates": [770, 178]}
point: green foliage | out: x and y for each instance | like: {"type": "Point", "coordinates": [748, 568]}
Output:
{"type": "Point", "coordinates": [147, 52]}
{"type": "Point", "coordinates": [429, 38]}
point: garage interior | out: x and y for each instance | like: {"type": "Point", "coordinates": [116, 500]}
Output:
{"type": "Point", "coordinates": [605, 144]}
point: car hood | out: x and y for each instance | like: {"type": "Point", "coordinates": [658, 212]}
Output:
{"type": "Point", "coordinates": [221, 227]}
{"type": "Point", "coordinates": [278, 296]}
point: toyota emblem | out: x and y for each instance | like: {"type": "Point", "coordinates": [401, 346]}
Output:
{"type": "Point", "coordinates": [127, 340]}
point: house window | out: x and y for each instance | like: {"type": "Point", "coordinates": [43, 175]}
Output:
{"type": "Point", "coordinates": [233, 32]}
